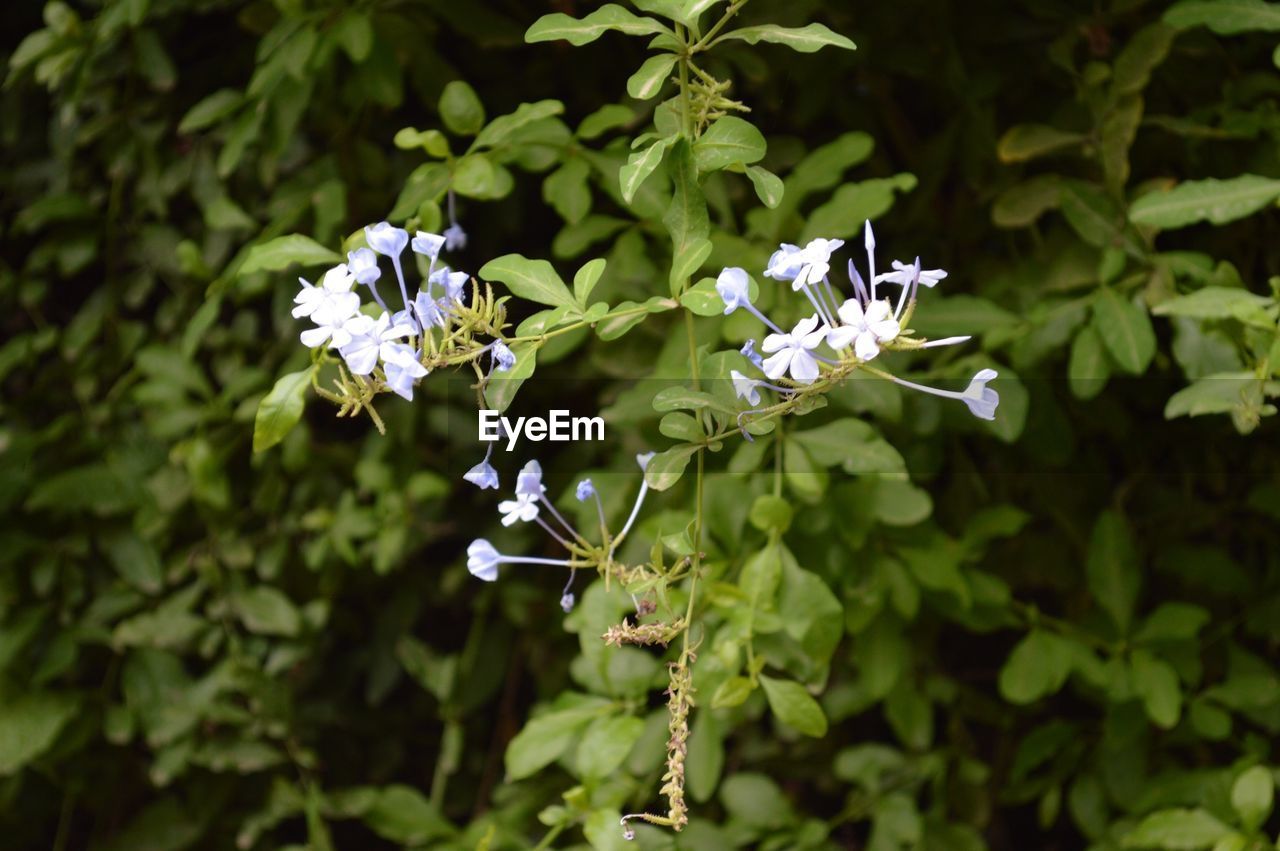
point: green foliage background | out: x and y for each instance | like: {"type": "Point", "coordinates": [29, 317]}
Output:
{"type": "Point", "coordinates": [1058, 632]}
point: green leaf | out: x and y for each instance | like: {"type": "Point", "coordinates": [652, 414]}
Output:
{"type": "Point", "coordinates": [1144, 51]}
{"type": "Point", "coordinates": [1022, 204]}
{"type": "Point", "coordinates": [794, 706]}
{"type": "Point", "coordinates": [1024, 142]}
{"type": "Point", "coordinates": [1088, 368]}
{"type": "Point", "coordinates": [1038, 666]}
{"type": "Point", "coordinates": [811, 613]}
{"type": "Point", "coordinates": [280, 410]}
{"type": "Point", "coordinates": [1112, 569]}
{"type": "Point", "coordinates": [534, 280]}
{"type": "Point", "coordinates": [1214, 201]}
{"type": "Point", "coordinates": [1172, 622]}
{"type": "Point", "coordinates": [1252, 796]}
{"type": "Point", "coordinates": [807, 39]}
{"type": "Point", "coordinates": [460, 108]}
{"type": "Point", "coordinates": [210, 110]}
{"type": "Point", "coordinates": [640, 165]}
{"type": "Point", "coordinates": [401, 814]}
{"type": "Point", "coordinates": [732, 692]}
{"type": "Point", "coordinates": [666, 468]}
{"type": "Point", "coordinates": [607, 18]}
{"type": "Point", "coordinates": [686, 217]}
{"type": "Point", "coordinates": [1217, 303]}
{"type": "Point", "coordinates": [29, 724]}
{"type": "Point", "coordinates": [849, 207]}
{"type": "Point", "coordinates": [1093, 215]}
{"type": "Point", "coordinates": [547, 736]}
{"type": "Point", "coordinates": [500, 129]}
{"type": "Point", "coordinates": [135, 560]}
{"type": "Point", "coordinates": [728, 141]}
{"type": "Point", "coordinates": [606, 744]}
{"type": "Point", "coordinates": [1220, 393]}
{"type": "Point", "coordinates": [284, 251]}
{"type": "Point", "coordinates": [267, 611]}
{"type": "Point", "coordinates": [1125, 329]}
{"type": "Point", "coordinates": [566, 190]}
{"type": "Point", "coordinates": [647, 82]}
{"type": "Point", "coordinates": [1225, 17]}
{"type": "Point", "coordinates": [1177, 830]}
{"type": "Point", "coordinates": [1156, 683]}
{"type": "Point", "coordinates": [768, 186]}
{"type": "Point", "coordinates": [584, 281]}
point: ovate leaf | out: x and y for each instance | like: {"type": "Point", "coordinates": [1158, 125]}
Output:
{"type": "Point", "coordinates": [534, 280]}
{"type": "Point", "coordinates": [280, 410]}
{"type": "Point", "coordinates": [794, 706]}
{"type": "Point", "coordinates": [1214, 201]}
{"type": "Point", "coordinates": [284, 251]}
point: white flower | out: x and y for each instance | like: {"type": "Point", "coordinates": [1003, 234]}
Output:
{"type": "Point", "coordinates": [906, 274]}
{"type": "Point", "coordinates": [522, 509]}
{"type": "Point", "coordinates": [454, 283]}
{"type": "Point", "coordinates": [980, 398]}
{"type": "Point", "coordinates": [482, 475]}
{"type": "Point", "coordinates": [567, 601]}
{"type": "Point", "coordinates": [793, 352]}
{"type": "Point", "coordinates": [428, 244]}
{"type": "Point", "coordinates": [372, 339]}
{"type": "Point", "coordinates": [364, 265]}
{"type": "Point", "coordinates": [745, 388]}
{"type": "Point", "coordinates": [734, 288]}
{"type": "Point", "coordinates": [455, 238]}
{"type": "Point", "coordinates": [403, 370]}
{"type": "Point", "coordinates": [385, 239]}
{"type": "Point", "coordinates": [529, 481]}
{"type": "Point", "coordinates": [785, 263]}
{"type": "Point", "coordinates": [332, 302]}
{"type": "Point", "coordinates": [816, 260]}
{"type": "Point", "coordinates": [482, 560]}
{"type": "Point", "coordinates": [329, 305]}
{"type": "Point", "coordinates": [866, 329]}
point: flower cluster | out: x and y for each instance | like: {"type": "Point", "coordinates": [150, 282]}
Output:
{"type": "Point", "coordinates": [528, 506]}
{"type": "Point", "coordinates": [842, 333]}
{"type": "Point", "coordinates": [393, 349]}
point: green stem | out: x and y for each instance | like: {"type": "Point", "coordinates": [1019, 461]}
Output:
{"type": "Point", "coordinates": [549, 838]}
{"type": "Point", "coordinates": [686, 115]}
{"type": "Point", "coordinates": [706, 41]}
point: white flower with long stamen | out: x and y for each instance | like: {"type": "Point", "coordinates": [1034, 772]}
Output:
{"type": "Point", "coordinates": [483, 560]}
{"type": "Point", "coordinates": [980, 399]}
{"type": "Point", "coordinates": [793, 352]}
{"type": "Point", "coordinates": [746, 388]}
{"type": "Point", "coordinates": [866, 328]}
{"type": "Point", "coordinates": [522, 509]}
{"type": "Point", "coordinates": [373, 339]}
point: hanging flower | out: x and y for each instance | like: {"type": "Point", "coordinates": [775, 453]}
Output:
{"type": "Point", "coordinates": [483, 560]}
{"type": "Point", "coordinates": [482, 475]}
{"type": "Point", "coordinates": [734, 288]}
{"type": "Point", "coordinates": [455, 238]}
{"type": "Point", "coordinates": [745, 388]}
{"type": "Point", "coordinates": [793, 352]}
{"type": "Point", "coordinates": [403, 371]}
{"type": "Point", "coordinates": [503, 357]}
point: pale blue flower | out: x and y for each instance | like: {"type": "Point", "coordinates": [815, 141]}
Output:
{"type": "Point", "coordinates": [455, 238]}
{"type": "Point", "coordinates": [428, 244]}
{"type": "Point", "coordinates": [585, 490]}
{"type": "Point", "coordinates": [745, 388]}
{"type": "Point", "coordinates": [330, 303]}
{"type": "Point", "coordinates": [749, 352]}
{"type": "Point", "coordinates": [734, 288]}
{"type": "Point", "coordinates": [428, 310]}
{"type": "Point", "coordinates": [387, 240]}
{"type": "Point", "coordinates": [454, 283]}
{"type": "Point", "coordinates": [980, 399]}
{"type": "Point", "coordinates": [372, 339]}
{"type": "Point", "coordinates": [363, 263]}
{"type": "Point", "coordinates": [816, 261]}
{"type": "Point", "coordinates": [567, 601]}
{"type": "Point", "coordinates": [529, 480]}
{"type": "Point", "coordinates": [793, 352]}
{"type": "Point", "coordinates": [503, 357]}
{"type": "Point", "coordinates": [521, 509]}
{"type": "Point", "coordinates": [403, 371]}
{"type": "Point", "coordinates": [644, 458]}
{"type": "Point", "coordinates": [483, 475]}
{"type": "Point", "coordinates": [483, 560]}
{"type": "Point", "coordinates": [866, 329]}
{"type": "Point", "coordinates": [785, 263]}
